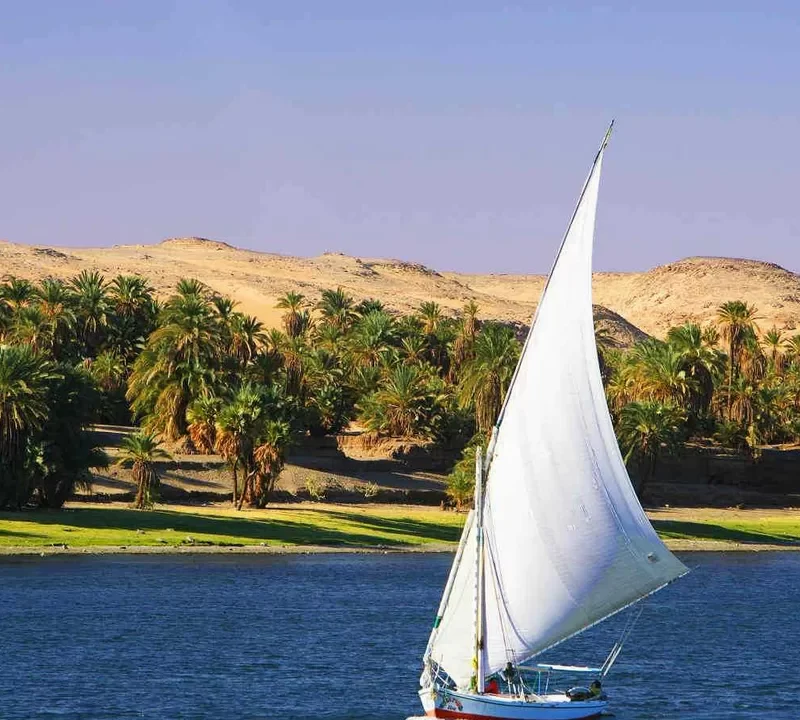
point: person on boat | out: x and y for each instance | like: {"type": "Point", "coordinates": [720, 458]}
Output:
{"type": "Point", "coordinates": [510, 673]}
{"type": "Point", "coordinates": [492, 687]}
{"type": "Point", "coordinates": [596, 689]}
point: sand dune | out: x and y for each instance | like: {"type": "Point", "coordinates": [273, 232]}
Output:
{"type": "Point", "coordinates": [628, 303]}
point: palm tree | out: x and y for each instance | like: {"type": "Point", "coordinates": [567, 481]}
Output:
{"type": "Point", "coordinates": [65, 451]}
{"type": "Point", "coordinates": [464, 344]}
{"type": "Point", "coordinates": [604, 341]}
{"type": "Point", "coordinates": [264, 367]}
{"type": "Point", "coordinates": [193, 288]}
{"type": "Point", "coordinates": [24, 378]}
{"type": "Point", "coordinates": [269, 458]}
{"type": "Point", "coordinates": [461, 481]}
{"type": "Point", "coordinates": [775, 347]}
{"type": "Point", "coordinates": [294, 353]}
{"type": "Point", "coordinates": [646, 431]}
{"type": "Point", "coordinates": [742, 401]}
{"type": "Point", "coordinates": [431, 315]}
{"type": "Point", "coordinates": [710, 336]}
{"type": "Point", "coordinates": [17, 292]}
{"type": "Point", "coordinates": [413, 350]}
{"type": "Point", "coordinates": [225, 307]}
{"type": "Point", "coordinates": [247, 336]}
{"type": "Point", "coordinates": [237, 426]}
{"type": "Point", "coordinates": [735, 318]}
{"type": "Point", "coordinates": [130, 295]}
{"type": "Point", "coordinates": [486, 377]}
{"type": "Point", "coordinates": [141, 450]}
{"type": "Point", "coordinates": [108, 370]}
{"type": "Point", "coordinates": [178, 364]}
{"type": "Point", "coordinates": [369, 305]}
{"type": "Point", "coordinates": [328, 337]}
{"type": "Point", "coordinates": [5, 319]}
{"type": "Point", "coordinates": [364, 380]}
{"type": "Point", "coordinates": [336, 308]}
{"type": "Point", "coordinates": [403, 406]}
{"type": "Point", "coordinates": [792, 381]}
{"type": "Point", "coordinates": [56, 303]}
{"type": "Point", "coordinates": [110, 375]}
{"type": "Point", "coordinates": [409, 326]}
{"type": "Point", "coordinates": [752, 361]}
{"type": "Point", "coordinates": [329, 403]}
{"type": "Point", "coordinates": [133, 317]}
{"type": "Point", "coordinates": [769, 423]}
{"type": "Point", "coordinates": [31, 328]}
{"type": "Point", "coordinates": [372, 337]}
{"type": "Point", "coordinates": [701, 362]}
{"type": "Point", "coordinates": [201, 416]}
{"type": "Point", "coordinates": [470, 318]}
{"type": "Point", "coordinates": [793, 348]}
{"type": "Point", "coordinates": [293, 303]}
{"type": "Point", "coordinates": [439, 333]}
{"type": "Point", "coordinates": [92, 308]}
{"type": "Point", "coordinates": [660, 372]}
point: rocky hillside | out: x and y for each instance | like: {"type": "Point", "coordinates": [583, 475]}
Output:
{"type": "Point", "coordinates": [627, 303]}
{"type": "Point", "coordinates": [687, 290]}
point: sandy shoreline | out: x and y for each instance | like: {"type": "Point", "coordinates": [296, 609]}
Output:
{"type": "Point", "coordinates": [675, 545]}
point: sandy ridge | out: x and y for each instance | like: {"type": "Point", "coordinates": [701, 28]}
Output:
{"type": "Point", "coordinates": [653, 301]}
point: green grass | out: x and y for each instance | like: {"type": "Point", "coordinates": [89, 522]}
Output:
{"type": "Point", "coordinates": [323, 525]}
{"type": "Point", "coordinates": [328, 525]}
{"type": "Point", "coordinates": [778, 530]}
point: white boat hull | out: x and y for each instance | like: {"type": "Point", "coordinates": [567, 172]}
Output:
{"type": "Point", "coordinates": [445, 703]}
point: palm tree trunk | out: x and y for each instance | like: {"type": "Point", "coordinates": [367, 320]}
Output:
{"type": "Point", "coordinates": [649, 471]}
{"type": "Point", "coordinates": [138, 476]}
{"type": "Point", "coordinates": [730, 380]}
{"type": "Point", "coordinates": [235, 481]}
{"type": "Point", "coordinates": [246, 486]}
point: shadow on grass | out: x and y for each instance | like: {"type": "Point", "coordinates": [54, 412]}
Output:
{"type": "Point", "coordinates": [404, 526]}
{"type": "Point", "coordinates": [244, 530]}
{"type": "Point", "coordinates": [13, 534]}
{"type": "Point", "coordinates": [709, 531]}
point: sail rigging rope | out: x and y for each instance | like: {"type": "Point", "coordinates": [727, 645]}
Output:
{"type": "Point", "coordinates": [500, 599]}
{"type": "Point", "coordinates": [626, 631]}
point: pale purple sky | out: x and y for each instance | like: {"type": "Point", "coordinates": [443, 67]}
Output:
{"type": "Point", "coordinates": [456, 134]}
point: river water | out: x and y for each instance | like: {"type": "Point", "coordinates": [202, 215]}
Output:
{"type": "Point", "coordinates": [340, 637]}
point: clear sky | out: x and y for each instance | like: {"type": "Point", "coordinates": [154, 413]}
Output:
{"type": "Point", "coordinates": [456, 134]}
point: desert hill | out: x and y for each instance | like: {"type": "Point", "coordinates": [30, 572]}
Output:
{"type": "Point", "coordinates": [628, 303]}
{"type": "Point", "coordinates": [683, 291]}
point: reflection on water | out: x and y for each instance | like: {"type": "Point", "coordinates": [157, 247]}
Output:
{"type": "Point", "coordinates": [340, 637]}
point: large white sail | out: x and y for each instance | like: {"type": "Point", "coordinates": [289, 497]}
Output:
{"type": "Point", "coordinates": [567, 541]}
{"type": "Point", "coordinates": [452, 643]}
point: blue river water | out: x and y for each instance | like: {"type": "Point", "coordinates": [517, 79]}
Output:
{"type": "Point", "coordinates": [340, 637]}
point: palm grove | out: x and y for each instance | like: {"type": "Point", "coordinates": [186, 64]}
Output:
{"type": "Point", "coordinates": [194, 371]}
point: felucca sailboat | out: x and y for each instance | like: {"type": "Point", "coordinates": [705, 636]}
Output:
{"type": "Point", "coordinates": [557, 540]}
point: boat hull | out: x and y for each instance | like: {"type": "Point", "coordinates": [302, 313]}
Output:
{"type": "Point", "coordinates": [467, 706]}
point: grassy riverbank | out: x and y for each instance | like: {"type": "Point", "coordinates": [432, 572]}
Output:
{"type": "Point", "coordinates": [339, 526]}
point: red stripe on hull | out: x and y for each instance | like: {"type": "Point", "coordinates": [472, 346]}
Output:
{"type": "Point", "coordinates": [455, 715]}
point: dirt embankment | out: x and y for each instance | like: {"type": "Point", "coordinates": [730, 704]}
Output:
{"type": "Point", "coordinates": [356, 468]}
{"type": "Point", "coordinates": [706, 475]}
{"type": "Point", "coordinates": [352, 468]}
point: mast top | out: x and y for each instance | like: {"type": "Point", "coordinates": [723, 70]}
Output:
{"type": "Point", "coordinates": [608, 135]}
